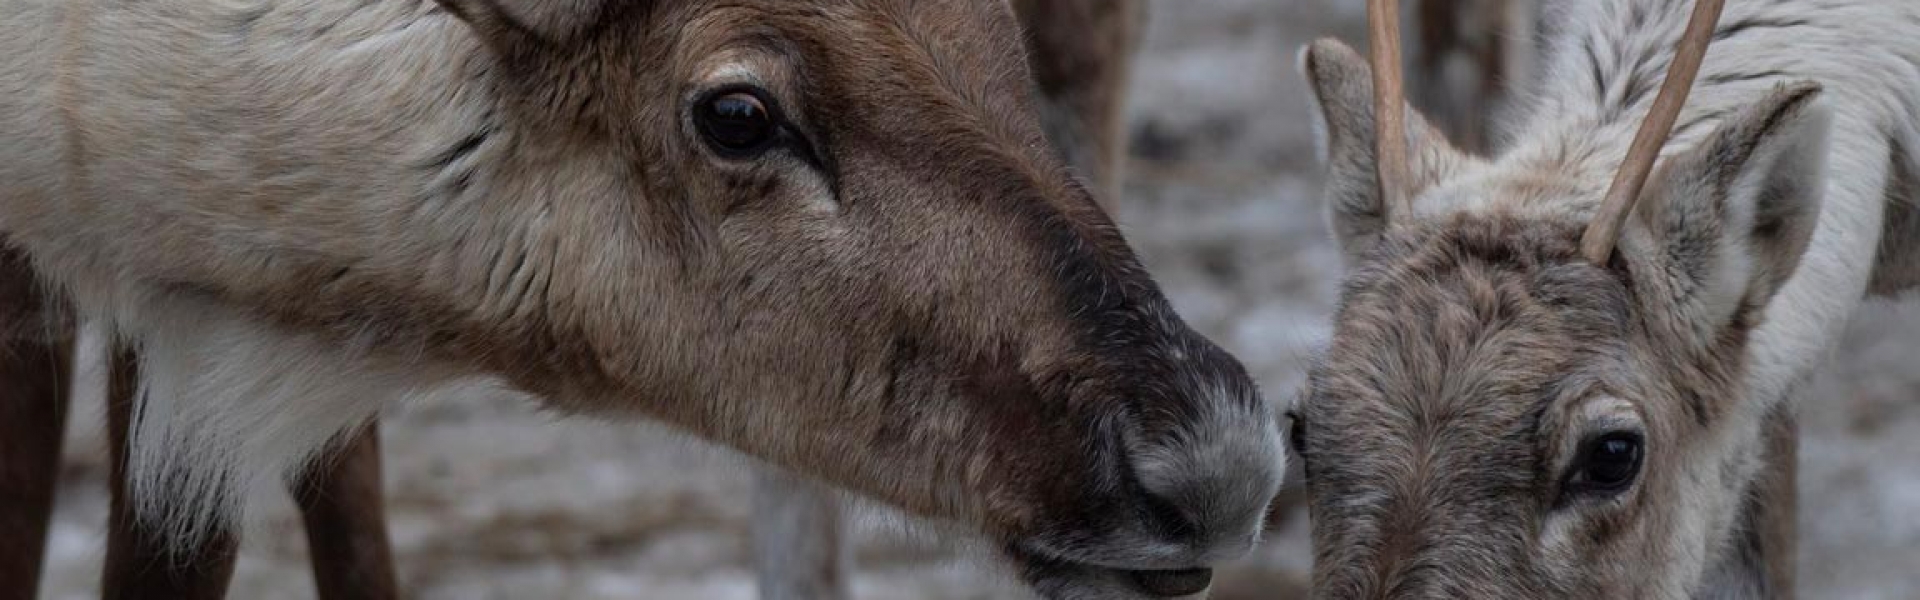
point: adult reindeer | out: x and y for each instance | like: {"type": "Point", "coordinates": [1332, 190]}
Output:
{"type": "Point", "coordinates": [1532, 392]}
{"type": "Point", "coordinates": [1079, 52]}
{"type": "Point", "coordinates": [828, 234]}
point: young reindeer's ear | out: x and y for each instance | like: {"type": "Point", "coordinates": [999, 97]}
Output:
{"type": "Point", "coordinates": [1342, 85]}
{"type": "Point", "coordinates": [1735, 214]}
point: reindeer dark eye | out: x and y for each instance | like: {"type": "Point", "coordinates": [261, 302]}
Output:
{"type": "Point", "coordinates": [737, 124]}
{"type": "Point", "coordinates": [1608, 464]}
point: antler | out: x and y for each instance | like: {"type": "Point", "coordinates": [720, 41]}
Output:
{"type": "Point", "coordinates": [1601, 236]}
{"type": "Point", "coordinates": [1389, 105]}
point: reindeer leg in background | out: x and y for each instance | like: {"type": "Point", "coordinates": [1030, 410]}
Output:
{"type": "Point", "coordinates": [139, 564]}
{"type": "Point", "coordinates": [35, 373]}
{"type": "Point", "coordinates": [1471, 59]}
{"type": "Point", "coordinates": [1458, 67]}
{"type": "Point", "coordinates": [340, 502]}
{"type": "Point", "coordinates": [1081, 54]}
{"type": "Point", "coordinates": [798, 545]}
{"type": "Point", "coordinates": [1520, 45]}
{"type": "Point", "coordinates": [1774, 506]}
{"type": "Point", "coordinates": [345, 515]}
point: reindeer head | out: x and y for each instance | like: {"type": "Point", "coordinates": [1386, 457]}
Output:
{"type": "Point", "coordinates": [1500, 415]}
{"type": "Point", "coordinates": [832, 234]}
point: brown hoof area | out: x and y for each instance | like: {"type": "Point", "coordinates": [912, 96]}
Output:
{"type": "Point", "coordinates": [1170, 584]}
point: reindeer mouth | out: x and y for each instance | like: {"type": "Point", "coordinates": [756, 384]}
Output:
{"type": "Point", "coordinates": [1061, 579]}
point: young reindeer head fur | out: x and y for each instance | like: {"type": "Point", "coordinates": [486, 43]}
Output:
{"type": "Point", "coordinates": [1497, 416]}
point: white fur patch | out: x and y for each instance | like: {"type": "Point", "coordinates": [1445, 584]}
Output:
{"type": "Point", "coordinates": [228, 405]}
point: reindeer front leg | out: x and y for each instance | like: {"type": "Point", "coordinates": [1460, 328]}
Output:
{"type": "Point", "coordinates": [341, 503]}
{"type": "Point", "coordinates": [35, 365]}
{"type": "Point", "coordinates": [143, 564]}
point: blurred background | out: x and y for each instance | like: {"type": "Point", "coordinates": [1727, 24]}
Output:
{"type": "Point", "coordinates": [490, 500]}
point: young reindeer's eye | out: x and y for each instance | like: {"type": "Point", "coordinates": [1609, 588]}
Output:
{"type": "Point", "coordinates": [1607, 464]}
{"type": "Point", "coordinates": [737, 124]}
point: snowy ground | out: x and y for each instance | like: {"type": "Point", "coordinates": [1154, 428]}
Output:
{"type": "Point", "coordinates": [490, 500]}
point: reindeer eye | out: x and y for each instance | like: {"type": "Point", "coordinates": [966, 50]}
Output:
{"type": "Point", "coordinates": [1608, 464]}
{"type": "Point", "coordinates": [737, 124]}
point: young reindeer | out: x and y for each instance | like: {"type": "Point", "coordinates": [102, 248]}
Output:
{"type": "Point", "coordinates": [1532, 393]}
{"type": "Point", "coordinates": [829, 234]}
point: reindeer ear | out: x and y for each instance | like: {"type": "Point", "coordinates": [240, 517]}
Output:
{"type": "Point", "coordinates": [1736, 213]}
{"type": "Point", "coordinates": [515, 27]}
{"type": "Point", "coordinates": [1343, 90]}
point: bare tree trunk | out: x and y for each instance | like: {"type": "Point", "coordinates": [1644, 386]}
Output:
{"type": "Point", "coordinates": [35, 368]}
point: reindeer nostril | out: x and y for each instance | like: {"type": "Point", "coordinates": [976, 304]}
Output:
{"type": "Point", "coordinates": [1171, 584]}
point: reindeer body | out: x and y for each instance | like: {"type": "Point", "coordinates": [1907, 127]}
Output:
{"type": "Point", "coordinates": [1480, 366]}
{"type": "Point", "coordinates": [297, 211]}
{"type": "Point", "coordinates": [246, 164]}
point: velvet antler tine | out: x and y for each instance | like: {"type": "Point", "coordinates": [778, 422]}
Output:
{"type": "Point", "coordinates": [1604, 233]}
{"type": "Point", "coordinates": [1389, 105]}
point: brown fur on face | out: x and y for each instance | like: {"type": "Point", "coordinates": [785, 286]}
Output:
{"type": "Point", "coordinates": [907, 296]}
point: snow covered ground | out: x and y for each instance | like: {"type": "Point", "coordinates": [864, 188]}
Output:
{"type": "Point", "coordinates": [490, 500]}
